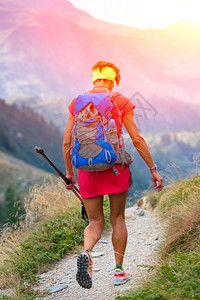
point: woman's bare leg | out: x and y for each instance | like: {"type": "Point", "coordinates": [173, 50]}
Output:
{"type": "Point", "coordinates": [94, 209]}
{"type": "Point", "coordinates": [117, 218]}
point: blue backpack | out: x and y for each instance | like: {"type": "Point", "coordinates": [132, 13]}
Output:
{"type": "Point", "coordinates": [95, 142]}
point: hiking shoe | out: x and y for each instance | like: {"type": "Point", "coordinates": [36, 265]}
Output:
{"type": "Point", "coordinates": [84, 272]}
{"type": "Point", "coordinates": [121, 276]}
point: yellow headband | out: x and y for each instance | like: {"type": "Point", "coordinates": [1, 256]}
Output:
{"type": "Point", "coordinates": [105, 73]}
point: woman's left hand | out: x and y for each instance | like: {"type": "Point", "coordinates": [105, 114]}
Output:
{"type": "Point", "coordinates": [71, 177]}
{"type": "Point", "coordinates": [157, 180]}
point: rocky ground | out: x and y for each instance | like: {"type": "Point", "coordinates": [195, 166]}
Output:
{"type": "Point", "coordinates": [146, 233]}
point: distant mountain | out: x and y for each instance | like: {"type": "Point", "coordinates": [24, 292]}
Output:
{"type": "Point", "coordinates": [22, 129]}
{"type": "Point", "coordinates": [160, 115]}
{"type": "Point", "coordinates": [47, 47]}
{"type": "Point", "coordinates": [175, 153]}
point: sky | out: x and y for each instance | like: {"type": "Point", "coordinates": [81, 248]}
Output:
{"type": "Point", "coordinates": [142, 13]}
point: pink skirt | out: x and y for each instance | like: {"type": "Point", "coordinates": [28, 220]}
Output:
{"type": "Point", "coordinates": [106, 182]}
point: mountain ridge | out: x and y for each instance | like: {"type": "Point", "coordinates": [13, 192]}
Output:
{"type": "Point", "coordinates": [55, 58]}
{"type": "Point", "coordinates": [151, 115]}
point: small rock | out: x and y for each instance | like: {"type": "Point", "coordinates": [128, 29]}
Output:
{"type": "Point", "coordinates": [140, 212]}
{"type": "Point", "coordinates": [65, 280]}
{"type": "Point", "coordinates": [42, 276]}
{"type": "Point", "coordinates": [56, 288]}
{"type": "Point", "coordinates": [102, 242]}
{"type": "Point", "coordinates": [110, 268]}
{"type": "Point", "coordinates": [97, 254]}
{"type": "Point", "coordinates": [148, 243]}
{"type": "Point", "coordinates": [124, 288]}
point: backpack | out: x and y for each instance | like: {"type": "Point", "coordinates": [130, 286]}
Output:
{"type": "Point", "coordinates": [95, 142]}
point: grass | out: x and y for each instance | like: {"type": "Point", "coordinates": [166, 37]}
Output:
{"type": "Point", "coordinates": [4, 297]}
{"type": "Point", "coordinates": [177, 195]}
{"type": "Point", "coordinates": [52, 227]}
{"type": "Point", "coordinates": [180, 206]}
{"type": "Point", "coordinates": [47, 244]}
{"type": "Point", "coordinates": [178, 275]}
{"type": "Point", "coordinates": [174, 280]}
{"type": "Point", "coordinates": [154, 198]}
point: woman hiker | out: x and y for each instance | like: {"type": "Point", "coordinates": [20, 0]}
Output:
{"type": "Point", "coordinates": [94, 185]}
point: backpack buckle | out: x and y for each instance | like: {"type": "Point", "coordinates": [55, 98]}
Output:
{"type": "Point", "coordinates": [115, 171]}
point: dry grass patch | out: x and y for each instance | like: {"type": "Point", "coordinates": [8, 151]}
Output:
{"type": "Point", "coordinates": [48, 201]}
{"type": "Point", "coordinates": [51, 226]}
{"type": "Point", "coordinates": [180, 206]}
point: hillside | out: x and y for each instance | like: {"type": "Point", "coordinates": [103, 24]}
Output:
{"type": "Point", "coordinates": [18, 174]}
{"type": "Point", "coordinates": [22, 129]}
{"type": "Point", "coordinates": [17, 178]}
{"type": "Point", "coordinates": [48, 48]}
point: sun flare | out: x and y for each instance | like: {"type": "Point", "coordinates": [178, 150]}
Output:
{"type": "Point", "coordinates": [142, 13]}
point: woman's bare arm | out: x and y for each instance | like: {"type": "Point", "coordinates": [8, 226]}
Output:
{"type": "Point", "coordinates": [66, 150]}
{"type": "Point", "coordinates": [142, 148]}
{"type": "Point", "coordinates": [138, 140]}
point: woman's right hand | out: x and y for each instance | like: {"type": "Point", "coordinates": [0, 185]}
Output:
{"type": "Point", "coordinates": [71, 177]}
{"type": "Point", "coordinates": [157, 180]}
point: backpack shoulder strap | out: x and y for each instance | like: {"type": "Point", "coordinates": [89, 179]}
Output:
{"type": "Point", "coordinates": [112, 97]}
{"type": "Point", "coordinates": [113, 94]}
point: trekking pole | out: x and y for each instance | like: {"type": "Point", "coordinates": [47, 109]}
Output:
{"type": "Point", "coordinates": [65, 179]}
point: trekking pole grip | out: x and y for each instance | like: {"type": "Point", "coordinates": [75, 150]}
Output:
{"type": "Point", "coordinates": [66, 180]}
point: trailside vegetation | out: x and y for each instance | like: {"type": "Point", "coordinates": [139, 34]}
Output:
{"type": "Point", "coordinates": [12, 208]}
{"type": "Point", "coordinates": [178, 275]}
{"type": "Point", "coordinates": [51, 227]}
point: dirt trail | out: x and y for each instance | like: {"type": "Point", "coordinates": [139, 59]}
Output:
{"type": "Point", "coordinates": [145, 235]}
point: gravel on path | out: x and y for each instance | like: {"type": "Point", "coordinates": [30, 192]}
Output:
{"type": "Point", "coordinates": [145, 236]}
